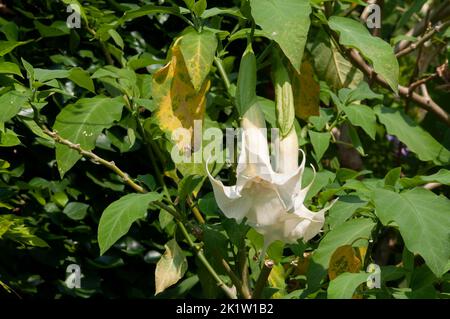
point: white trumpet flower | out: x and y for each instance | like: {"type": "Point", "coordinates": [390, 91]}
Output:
{"type": "Point", "coordinates": [270, 198]}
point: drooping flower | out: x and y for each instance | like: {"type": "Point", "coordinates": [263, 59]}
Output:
{"type": "Point", "coordinates": [269, 194]}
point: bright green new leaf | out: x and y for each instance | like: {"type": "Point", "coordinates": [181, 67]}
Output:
{"type": "Point", "coordinates": [320, 143]}
{"type": "Point", "coordinates": [412, 135]}
{"type": "Point", "coordinates": [344, 208]}
{"type": "Point", "coordinates": [118, 217]}
{"type": "Point", "coordinates": [423, 221]}
{"type": "Point", "coordinates": [170, 268]}
{"type": "Point", "coordinates": [81, 123]}
{"type": "Point", "coordinates": [10, 104]}
{"type": "Point", "coordinates": [362, 116]}
{"type": "Point", "coordinates": [287, 23]}
{"type": "Point", "coordinates": [198, 51]}
{"type": "Point", "coordinates": [8, 46]}
{"type": "Point", "coordinates": [353, 34]}
{"type": "Point", "coordinates": [10, 68]}
{"type": "Point", "coordinates": [345, 285]}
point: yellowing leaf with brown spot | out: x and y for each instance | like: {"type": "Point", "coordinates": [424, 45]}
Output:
{"type": "Point", "coordinates": [170, 268]}
{"type": "Point", "coordinates": [343, 260]}
{"type": "Point", "coordinates": [306, 92]}
{"type": "Point", "coordinates": [178, 103]}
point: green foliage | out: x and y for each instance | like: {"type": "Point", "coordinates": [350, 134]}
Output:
{"type": "Point", "coordinates": [87, 117]}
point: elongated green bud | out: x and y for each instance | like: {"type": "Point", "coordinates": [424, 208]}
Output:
{"type": "Point", "coordinates": [283, 94]}
{"type": "Point", "coordinates": [246, 84]}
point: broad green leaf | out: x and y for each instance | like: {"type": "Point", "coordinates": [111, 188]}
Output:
{"type": "Point", "coordinates": [235, 12]}
{"type": "Point", "coordinates": [81, 123]}
{"type": "Point", "coordinates": [8, 138]}
{"type": "Point", "coordinates": [345, 285]}
{"type": "Point", "coordinates": [200, 7]}
{"type": "Point", "coordinates": [442, 176]}
{"type": "Point", "coordinates": [286, 22]}
{"type": "Point", "coordinates": [321, 179]}
{"type": "Point", "coordinates": [344, 234]}
{"type": "Point", "coordinates": [10, 104]}
{"type": "Point", "coordinates": [362, 92]}
{"type": "Point", "coordinates": [198, 51]}
{"type": "Point", "coordinates": [331, 66]}
{"type": "Point", "coordinates": [147, 10]}
{"type": "Point", "coordinates": [343, 209]}
{"type": "Point", "coordinates": [392, 176]}
{"type": "Point", "coordinates": [423, 221]}
{"type": "Point", "coordinates": [8, 46]}
{"type": "Point", "coordinates": [10, 68]}
{"type": "Point", "coordinates": [75, 210]}
{"type": "Point", "coordinates": [56, 29]}
{"type": "Point", "coordinates": [44, 75]}
{"type": "Point", "coordinates": [355, 35]}
{"type": "Point", "coordinates": [320, 143]}
{"type": "Point", "coordinates": [412, 135]}
{"type": "Point", "coordinates": [82, 79]}
{"type": "Point", "coordinates": [118, 217]}
{"type": "Point", "coordinates": [170, 268]}
{"type": "Point", "coordinates": [362, 116]}
{"type": "Point", "coordinates": [189, 4]}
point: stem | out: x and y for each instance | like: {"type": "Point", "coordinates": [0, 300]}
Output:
{"type": "Point", "coordinates": [199, 252]}
{"type": "Point", "coordinates": [262, 279]}
{"type": "Point", "coordinates": [222, 72]}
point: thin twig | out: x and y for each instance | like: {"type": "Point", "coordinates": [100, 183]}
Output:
{"type": "Point", "coordinates": [437, 28]}
{"type": "Point", "coordinates": [427, 104]}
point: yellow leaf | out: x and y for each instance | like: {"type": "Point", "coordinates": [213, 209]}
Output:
{"type": "Point", "coordinates": [178, 103]}
{"type": "Point", "coordinates": [343, 260]}
{"type": "Point", "coordinates": [306, 92]}
{"type": "Point", "coordinates": [277, 280]}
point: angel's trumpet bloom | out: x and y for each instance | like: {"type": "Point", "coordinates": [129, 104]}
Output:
{"type": "Point", "coordinates": [271, 199]}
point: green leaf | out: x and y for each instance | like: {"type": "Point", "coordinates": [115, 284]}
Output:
{"type": "Point", "coordinates": [82, 79]}
{"type": "Point", "coordinates": [362, 92]}
{"type": "Point", "coordinates": [8, 46]}
{"type": "Point", "coordinates": [10, 68]}
{"type": "Point", "coordinates": [198, 51]}
{"type": "Point", "coordinates": [331, 66]}
{"type": "Point", "coordinates": [81, 123]}
{"type": "Point", "coordinates": [423, 221]}
{"type": "Point", "coordinates": [189, 4]}
{"type": "Point", "coordinates": [117, 218]}
{"type": "Point", "coordinates": [353, 34]}
{"type": "Point", "coordinates": [344, 234]}
{"type": "Point", "coordinates": [170, 268]}
{"type": "Point", "coordinates": [343, 209]}
{"type": "Point", "coordinates": [392, 176]}
{"type": "Point", "coordinates": [320, 143]}
{"type": "Point", "coordinates": [345, 285]}
{"type": "Point", "coordinates": [412, 135]}
{"type": "Point", "coordinates": [287, 23]}
{"type": "Point", "coordinates": [200, 7]}
{"type": "Point", "coordinates": [75, 210]}
{"type": "Point", "coordinates": [116, 37]}
{"type": "Point", "coordinates": [11, 103]}
{"type": "Point", "coordinates": [146, 10]}
{"type": "Point", "coordinates": [56, 29]}
{"type": "Point", "coordinates": [8, 138]}
{"type": "Point", "coordinates": [442, 176]}
{"type": "Point", "coordinates": [362, 116]}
